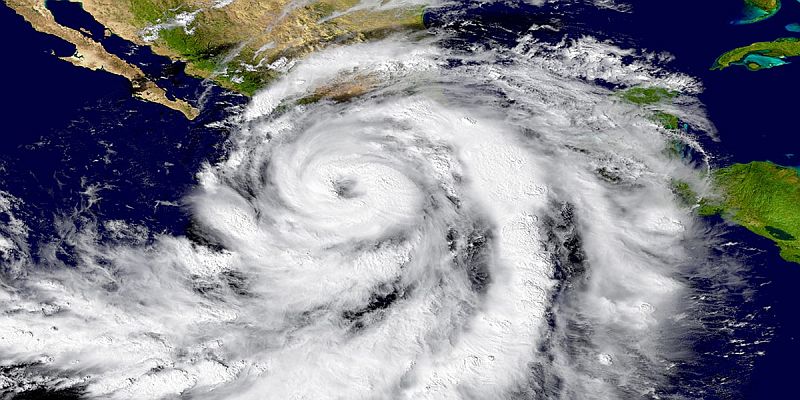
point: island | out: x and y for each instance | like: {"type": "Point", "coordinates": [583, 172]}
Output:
{"type": "Point", "coordinates": [760, 55]}
{"type": "Point", "coordinates": [647, 95]}
{"type": "Point", "coordinates": [650, 96]}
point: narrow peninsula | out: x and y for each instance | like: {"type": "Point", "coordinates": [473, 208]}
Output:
{"type": "Point", "coordinates": [91, 54]}
{"type": "Point", "coordinates": [240, 45]}
{"type": "Point", "coordinates": [245, 44]}
{"type": "Point", "coordinates": [757, 11]}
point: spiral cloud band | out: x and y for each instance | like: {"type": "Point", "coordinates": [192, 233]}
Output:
{"type": "Point", "coordinates": [474, 224]}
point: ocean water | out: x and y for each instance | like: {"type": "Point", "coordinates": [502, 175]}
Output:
{"type": "Point", "coordinates": [752, 110]}
{"type": "Point", "coordinates": [754, 114]}
{"type": "Point", "coordinates": [166, 73]}
{"type": "Point", "coordinates": [72, 130]}
{"type": "Point", "coordinates": [74, 133]}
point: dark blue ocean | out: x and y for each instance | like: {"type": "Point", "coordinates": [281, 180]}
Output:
{"type": "Point", "coordinates": [69, 129]}
{"type": "Point", "coordinates": [754, 113]}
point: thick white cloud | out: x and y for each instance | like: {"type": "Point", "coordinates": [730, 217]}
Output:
{"type": "Point", "coordinates": [408, 243]}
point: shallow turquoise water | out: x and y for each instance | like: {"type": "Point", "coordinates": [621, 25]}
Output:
{"type": "Point", "coordinates": [762, 61]}
{"type": "Point", "coordinates": [751, 15]}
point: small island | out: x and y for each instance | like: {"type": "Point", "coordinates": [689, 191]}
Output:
{"type": "Point", "coordinates": [650, 96]}
{"type": "Point", "coordinates": [647, 95]}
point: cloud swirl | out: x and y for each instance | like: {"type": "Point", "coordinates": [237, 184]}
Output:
{"type": "Point", "coordinates": [467, 224]}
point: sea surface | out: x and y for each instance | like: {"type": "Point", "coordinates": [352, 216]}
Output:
{"type": "Point", "coordinates": [74, 136]}
{"type": "Point", "coordinates": [755, 114]}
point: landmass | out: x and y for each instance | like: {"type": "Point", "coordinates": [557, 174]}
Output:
{"type": "Point", "coordinates": [760, 55]}
{"type": "Point", "coordinates": [688, 196]}
{"type": "Point", "coordinates": [757, 10]}
{"type": "Point", "coordinates": [648, 96]}
{"type": "Point", "coordinates": [91, 54]}
{"type": "Point", "coordinates": [241, 45]}
{"type": "Point", "coordinates": [667, 120]}
{"type": "Point", "coordinates": [764, 198]}
{"type": "Point", "coordinates": [760, 196]}
{"type": "Point", "coordinates": [342, 90]}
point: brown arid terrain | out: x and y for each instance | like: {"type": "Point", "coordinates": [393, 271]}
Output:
{"type": "Point", "coordinates": [91, 54]}
{"type": "Point", "coordinates": [241, 45]}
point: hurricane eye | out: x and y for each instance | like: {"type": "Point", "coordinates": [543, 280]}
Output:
{"type": "Point", "coordinates": [345, 188]}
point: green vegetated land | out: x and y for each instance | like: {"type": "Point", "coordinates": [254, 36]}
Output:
{"type": "Point", "coordinates": [648, 95]}
{"type": "Point", "coordinates": [235, 45]}
{"type": "Point", "coordinates": [766, 5]}
{"type": "Point", "coordinates": [758, 10]}
{"type": "Point", "coordinates": [764, 198]}
{"type": "Point", "coordinates": [760, 55]}
{"type": "Point", "coordinates": [651, 96]}
{"type": "Point", "coordinates": [761, 196]}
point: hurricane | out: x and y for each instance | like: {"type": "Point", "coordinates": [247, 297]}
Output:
{"type": "Point", "coordinates": [417, 217]}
